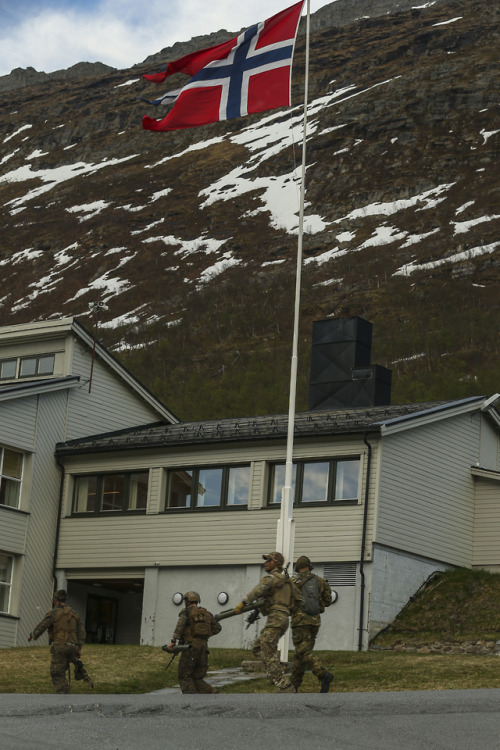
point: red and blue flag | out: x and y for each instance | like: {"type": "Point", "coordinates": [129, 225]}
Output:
{"type": "Point", "coordinates": [249, 73]}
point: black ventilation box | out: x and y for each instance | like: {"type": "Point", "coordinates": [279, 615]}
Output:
{"type": "Point", "coordinates": [341, 373]}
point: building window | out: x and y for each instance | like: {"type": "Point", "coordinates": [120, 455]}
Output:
{"type": "Point", "coordinates": [208, 487]}
{"type": "Point", "coordinates": [317, 482]}
{"type": "Point", "coordinates": [38, 365]}
{"type": "Point", "coordinates": [11, 470]}
{"type": "Point", "coordinates": [111, 493]}
{"type": "Point", "coordinates": [6, 566]}
{"type": "Point", "coordinates": [43, 364]}
{"type": "Point", "coordinates": [8, 369]}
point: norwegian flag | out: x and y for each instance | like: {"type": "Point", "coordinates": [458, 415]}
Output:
{"type": "Point", "coordinates": [249, 73]}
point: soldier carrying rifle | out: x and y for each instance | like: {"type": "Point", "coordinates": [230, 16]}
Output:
{"type": "Point", "coordinates": [194, 627]}
{"type": "Point", "coordinates": [67, 634]}
{"type": "Point", "coordinates": [279, 594]}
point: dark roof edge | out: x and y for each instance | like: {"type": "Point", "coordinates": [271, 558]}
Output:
{"type": "Point", "coordinates": [114, 433]}
{"type": "Point", "coordinates": [433, 410]}
{"type": "Point", "coordinates": [38, 384]}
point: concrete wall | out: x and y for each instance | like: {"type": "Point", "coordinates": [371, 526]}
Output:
{"type": "Point", "coordinates": [159, 617]}
{"type": "Point", "coordinates": [395, 577]}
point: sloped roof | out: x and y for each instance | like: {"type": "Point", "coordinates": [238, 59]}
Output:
{"type": "Point", "coordinates": [307, 425]}
{"type": "Point", "coordinates": [59, 327]}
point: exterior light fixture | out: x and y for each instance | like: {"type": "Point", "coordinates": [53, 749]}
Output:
{"type": "Point", "coordinates": [335, 596]}
{"type": "Point", "coordinates": [177, 598]}
{"type": "Point", "coordinates": [222, 598]}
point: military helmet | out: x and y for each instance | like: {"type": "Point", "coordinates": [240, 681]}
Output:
{"type": "Point", "coordinates": [60, 595]}
{"type": "Point", "coordinates": [303, 562]}
{"type": "Point", "coordinates": [276, 556]}
{"type": "Point", "coordinates": [192, 596]}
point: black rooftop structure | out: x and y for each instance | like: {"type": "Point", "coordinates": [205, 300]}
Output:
{"type": "Point", "coordinates": [249, 429]}
{"type": "Point", "coordinates": [341, 373]}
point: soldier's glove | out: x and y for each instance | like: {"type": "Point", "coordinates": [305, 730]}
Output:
{"type": "Point", "coordinates": [239, 608]}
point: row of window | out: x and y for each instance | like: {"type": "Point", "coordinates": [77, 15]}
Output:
{"type": "Point", "coordinates": [27, 367]}
{"type": "Point", "coordinates": [196, 488]}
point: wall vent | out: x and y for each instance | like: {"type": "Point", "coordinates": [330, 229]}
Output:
{"type": "Point", "coordinates": [340, 574]}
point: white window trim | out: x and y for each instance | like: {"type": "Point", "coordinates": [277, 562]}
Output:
{"type": "Point", "coordinates": [13, 479]}
{"type": "Point", "coordinates": [8, 584]}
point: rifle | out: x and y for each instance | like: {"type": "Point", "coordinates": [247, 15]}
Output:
{"type": "Point", "coordinates": [81, 673]}
{"type": "Point", "coordinates": [253, 608]}
{"type": "Point", "coordinates": [175, 650]}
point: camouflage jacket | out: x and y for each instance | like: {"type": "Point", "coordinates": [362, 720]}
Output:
{"type": "Point", "coordinates": [63, 624]}
{"type": "Point", "coordinates": [299, 617]}
{"type": "Point", "coordinates": [274, 588]}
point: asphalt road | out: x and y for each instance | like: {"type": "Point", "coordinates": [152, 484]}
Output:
{"type": "Point", "coordinates": [426, 720]}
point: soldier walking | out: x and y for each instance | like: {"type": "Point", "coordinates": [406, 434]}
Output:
{"type": "Point", "coordinates": [194, 627]}
{"type": "Point", "coordinates": [276, 588]}
{"type": "Point", "coordinates": [306, 621]}
{"type": "Point", "coordinates": [67, 634]}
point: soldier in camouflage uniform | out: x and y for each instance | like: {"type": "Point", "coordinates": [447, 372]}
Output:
{"type": "Point", "coordinates": [67, 634]}
{"type": "Point", "coordinates": [276, 588]}
{"type": "Point", "coordinates": [306, 621]}
{"type": "Point", "coordinates": [194, 627]}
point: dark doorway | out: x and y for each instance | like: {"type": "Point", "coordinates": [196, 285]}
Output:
{"type": "Point", "coordinates": [100, 620]}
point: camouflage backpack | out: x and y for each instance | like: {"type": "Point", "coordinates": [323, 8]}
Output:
{"type": "Point", "coordinates": [200, 622]}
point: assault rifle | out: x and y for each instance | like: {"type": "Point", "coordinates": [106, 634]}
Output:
{"type": "Point", "coordinates": [252, 608]}
{"type": "Point", "coordinates": [81, 673]}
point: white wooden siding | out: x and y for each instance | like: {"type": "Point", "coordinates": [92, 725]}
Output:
{"type": "Point", "coordinates": [111, 403]}
{"type": "Point", "coordinates": [8, 626]}
{"type": "Point", "coordinates": [212, 538]}
{"type": "Point", "coordinates": [426, 494]}
{"type": "Point", "coordinates": [18, 421]}
{"type": "Point", "coordinates": [40, 535]}
{"type": "Point", "coordinates": [12, 530]}
{"type": "Point", "coordinates": [487, 523]}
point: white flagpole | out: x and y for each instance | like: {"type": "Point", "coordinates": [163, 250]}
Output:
{"type": "Point", "coordinates": [285, 531]}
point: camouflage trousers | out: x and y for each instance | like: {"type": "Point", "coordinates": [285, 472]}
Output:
{"type": "Point", "coordinates": [304, 638]}
{"type": "Point", "coordinates": [193, 665]}
{"type": "Point", "coordinates": [266, 648]}
{"type": "Point", "coordinates": [62, 655]}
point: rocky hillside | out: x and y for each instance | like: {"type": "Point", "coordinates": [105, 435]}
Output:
{"type": "Point", "coordinates": [188, 238]}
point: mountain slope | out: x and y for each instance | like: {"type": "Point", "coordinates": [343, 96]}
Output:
{"type": "Point", "coordinates": [189, 237]}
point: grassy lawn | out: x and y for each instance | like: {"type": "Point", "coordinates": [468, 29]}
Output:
{"type": "Point", "coordinates": [141, 669]}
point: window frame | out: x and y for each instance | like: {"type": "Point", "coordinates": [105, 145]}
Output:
{"type": "Point", "coordinates": [100, 477]}
{"type": "Point", "coordinates": [38, 358]}
{"type": "Point", "coordinates": [6, 361]}
{"type": "Point", "coordinates": [7, 584]}
{"type": "Point", "coordinates": [298, 485]}
{"type": "Point", "coordinates": [193, 507]}
{"type": "Point", "coordinates": [18, 363]}
{"type": "Point", "coordinates": [9, 478]}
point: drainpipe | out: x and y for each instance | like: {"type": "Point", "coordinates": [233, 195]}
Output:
{"type": "Point", "coordinates": [363, 545]}
{"type": "Point", "coordinates": [58, 524]}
